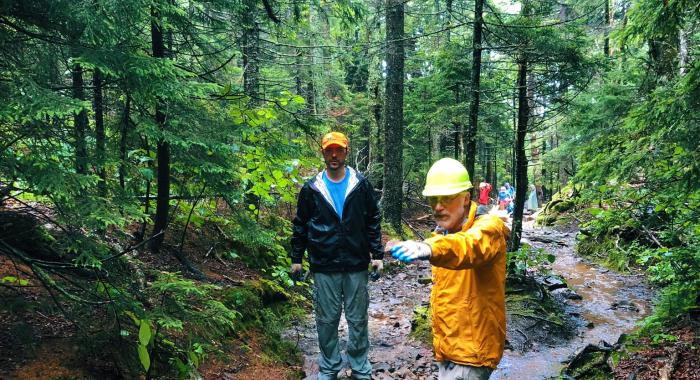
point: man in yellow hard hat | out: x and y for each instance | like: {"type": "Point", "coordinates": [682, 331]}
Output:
{"type": "Point", "coordinates": [468, 255]}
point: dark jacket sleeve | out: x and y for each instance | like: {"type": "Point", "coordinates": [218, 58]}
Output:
{"type": "Point", "coordinates": [374, 223]}
{"type": "Point", "coordinates": [300, 225]}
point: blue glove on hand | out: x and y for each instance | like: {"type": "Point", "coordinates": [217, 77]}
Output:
{"type": "Point", "coordinates": [410, 250]}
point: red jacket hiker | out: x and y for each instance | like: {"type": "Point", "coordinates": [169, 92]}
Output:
{"type": "Point", "coordinates": [484, 190]}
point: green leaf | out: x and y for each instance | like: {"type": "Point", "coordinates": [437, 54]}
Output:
{"type": "Point", "coordinates": [146, 173]}
{"type": "Point", "coordinates": [193, 358]}
{"type": "Point", "coordinates": [9, 279]}
{"type": "Point", "coordinates": [145, 332]}
{"type": "Point", "coordinates": [594, 211]}
{"type": "Point", "coordinates": [144, 357]}
{"type": "Point", "coordinates": [133, 317]}
{"type": "Point", "coordinates": [551, 258]}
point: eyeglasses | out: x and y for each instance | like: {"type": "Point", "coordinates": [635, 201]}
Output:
{"type": "Point", "coordinates": [442, 199]}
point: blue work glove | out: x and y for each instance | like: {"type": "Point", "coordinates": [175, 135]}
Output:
{"type": "Point", "coordinates": [410, 250]}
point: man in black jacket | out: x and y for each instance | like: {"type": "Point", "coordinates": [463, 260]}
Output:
{"type": "Point", "coordinates": [338, 223]}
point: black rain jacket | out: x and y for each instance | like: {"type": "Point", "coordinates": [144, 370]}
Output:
{"type": "Point", "coordinates": [336, 245]}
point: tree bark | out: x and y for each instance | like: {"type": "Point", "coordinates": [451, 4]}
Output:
{"type": "Point", "coordinates": [250, 52]}
{"type": "Point", "coordinates": [448, 19]}
{"type": "Point", "coordinates": [606, 41]}
{"type": "Point", "coordinates": [392, 195]}
{"type": "Point", "coordinates": [520, 157]}
{"type": "Point", "coordinates": [251, 72]}
{"type": "Point", "coordinates": [100, 158]}
{"type": "Point", "coordinates": [377, 112]}
{"type": "Point", "coordinates": [363, 156]}
{"type": "Point", "coordinates": [80, 121]}
{"type": "Point", "coordinates": [682, 52]}
{"type": "Point", "coordinates": [470, 134]}
{"type": "Point", "coordinates": [160, 221]}
{"type": "Point", "coordinates": [124, 133]}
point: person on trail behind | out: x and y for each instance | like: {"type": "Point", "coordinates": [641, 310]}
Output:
{"type": "Point", "coordinates": [503, 198]}
{"type": "Point", "coordinates": [484, 191]}
{"type": "Point", "coordinates": [532, 200]}
{"type": "Point", "coordinates": [468, 256]}
{"type": "Point", "coordinates": [510, 189]}
{"type": "Point", "coordinates": [338, 223]}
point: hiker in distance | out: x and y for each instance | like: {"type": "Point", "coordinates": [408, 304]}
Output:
{"type": "Point", "coordinates": [468, 256]}
{"type": "Point", "coordinates": [338, 224]}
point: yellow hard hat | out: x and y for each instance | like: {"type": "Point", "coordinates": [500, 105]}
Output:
{"type": "Point", "coordinates": [447, 176]}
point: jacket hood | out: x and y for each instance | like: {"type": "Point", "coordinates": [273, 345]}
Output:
{"type": "Point", "coordinates": [319, 185]}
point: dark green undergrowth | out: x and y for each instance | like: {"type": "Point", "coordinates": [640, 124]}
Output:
{"type": "Point", "coordinates": [137, 315]}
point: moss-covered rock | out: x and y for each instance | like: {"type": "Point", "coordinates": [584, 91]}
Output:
{"type": "Point", "coordinates": [591, 363]}
{"type": "Point", "coordinates": [545, 220]}
{"type": "Point", "coordinates": [421, 325]}
{"type": "Point", "coordinates": [563, 206]}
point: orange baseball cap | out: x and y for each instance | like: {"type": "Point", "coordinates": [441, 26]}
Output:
{"type": "Point", "coordinates": [334, 138]}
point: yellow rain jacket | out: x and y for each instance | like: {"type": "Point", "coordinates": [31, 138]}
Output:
{"type": "Point", "coordinates": [468, 296]}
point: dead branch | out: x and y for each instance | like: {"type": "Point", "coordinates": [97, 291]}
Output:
{"type": "Point", "coordinates": [415, 231]}
{"type": "Point", "coordinates": [536, 317]}
{"type": "Point", "coordinates": [666, 372]}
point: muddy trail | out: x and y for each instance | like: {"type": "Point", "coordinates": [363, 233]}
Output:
{"type": "Point", "coordinates": [609, 305]}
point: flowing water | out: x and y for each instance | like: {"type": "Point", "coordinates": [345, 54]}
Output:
{"type": "Point", "coordinates": [611, 305]}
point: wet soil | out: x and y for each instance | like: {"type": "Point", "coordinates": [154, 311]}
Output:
{"type": "Point", "coordinates": [610, 305]}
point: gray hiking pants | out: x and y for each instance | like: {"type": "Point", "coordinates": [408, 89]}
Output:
{"type": "Point", "coordinates": [452, 371]}
{"type": "Point", "coordinates": [332, 292]}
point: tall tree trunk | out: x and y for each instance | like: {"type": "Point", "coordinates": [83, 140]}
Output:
{"type": "Point", "coordinates": [664, 54]}
{"type": "Point", "coordinates": [490, 163]}
{"type": "Point", "coordinates": [544, 186]}
{"type": "Point", "coordinates": [298, 78]}
{"type": "Point", "coordinates": [682, 52]}
{"type": "Point", "coordinates": [363, 155]}
{"type": "Point", "coordinates": [606, 41]}
{"type": "Point", "coordinates": [520, 157]}
{"type": "Point", "coordinates": [100, 158]}
{"type": "Point", "coordinates": [515, 131]}
{"type": "Point", "coordinates": [457, 127]}
{"type": "Point", "coordinates": [457, 140]}
{"type": "Point", "coordinates": [494, 179]}
{"type": "Point", "coordinates": [448, 19]}
{"type": "Point", "coordinates": [250, 52]}
{"type": "Point", "coordinates": [160, 221]}
{"type": "Point", "coordinates": [534, 148]}
{"type": "Point", "coordinates": [435, 141]}
{"type": "Point", "coordinates": [123, 138]}
{"type": "Point", "coordinates": [392, 195]}
{"type": "Point", "coordinates": [310, 94]}
{"type": "Point", "coordinates": [378, 157]}
{"type": "Point", "coordinates": [251, 73]}
{"type": "Point", "coordinates": [80, 121]}
{"type": "Point", "coordinates": [470, 135]}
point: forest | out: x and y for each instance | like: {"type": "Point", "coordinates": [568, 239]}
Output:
{"type": "Point", "coordinates": [152, 154]}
